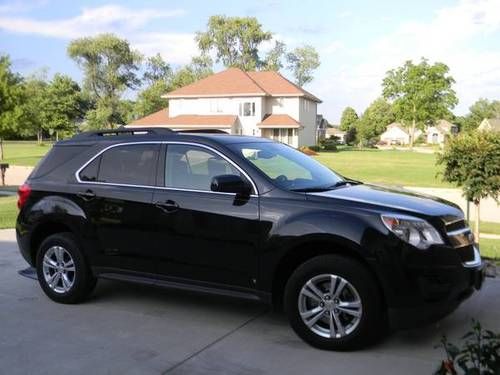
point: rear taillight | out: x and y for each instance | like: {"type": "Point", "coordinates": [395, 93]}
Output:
{"type": "Point", "coordinates": [23, 193]}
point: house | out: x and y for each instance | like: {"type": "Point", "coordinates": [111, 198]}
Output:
{"type": "Point", "coordinates": [337, 133]}
{"type": "Point", "coordinates": [397, 134]}
{"type": "Point", "coordinates": [490, 124]}
{"type": "Point", "coordinates": [260, 103]}
{"type": "Point", "coordinates": [438, 133]}
{"type": "Point", "coordinates": [321, 126]}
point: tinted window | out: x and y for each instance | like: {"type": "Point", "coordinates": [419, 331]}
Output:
{"type": "Point", "coordinates": [133, 165]}
{"type": "Point", "coordinates": [289, 168]}
{"type": "Point", "coordinates": [191, 167]}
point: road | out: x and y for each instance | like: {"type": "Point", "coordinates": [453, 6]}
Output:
{"type": "Point", "coordinates": [129, 329]}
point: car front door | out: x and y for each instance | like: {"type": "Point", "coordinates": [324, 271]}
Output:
{"type": "Point", "coordinates": [116, 191]}
{"type": "Point", "coordinates": [200, 234]}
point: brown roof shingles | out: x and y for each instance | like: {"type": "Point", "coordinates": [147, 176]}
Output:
{"type": "Point", "coordinates": [270, 121]}
{"type": "Point", "coordinates": [161, 118]}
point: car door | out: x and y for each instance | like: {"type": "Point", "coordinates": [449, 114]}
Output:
{"type": "Point", "coordinates": [203, 235]}
{"type": "Point", "coordinates": [116, 191]}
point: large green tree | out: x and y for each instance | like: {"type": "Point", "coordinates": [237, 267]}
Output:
{"type": "Point", "coordinates": [63, 106]}
{"type": "Point", "coordinates": [11, 96]}
{"type": "Point", "coordinates": [235, 40]}
{"type": "Point", "coordinates": [302, 62]}
{"type": "Point", "coordinates": [374, 120]}
{"type": "Point", "coordinates": [274, 57]}
{"type": "Point", "coordinates": [481, 109]}
{"type": "Point", "coordinates": [472, 161]}
{"type": "Point", "coordinates": [348, 119]}
{"type": "Point", "coordinates": [420, 93]}
{"type": "Point", "coordinates": [110, 67]}
{"type": "Point", "coordinates": [33, 107]}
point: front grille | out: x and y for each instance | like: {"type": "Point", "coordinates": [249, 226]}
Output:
{"type": "Point", "coordinates": [460, 236]}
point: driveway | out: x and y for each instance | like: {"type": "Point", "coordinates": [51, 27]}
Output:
{"type": "Point", "coordinates": [129, 329]}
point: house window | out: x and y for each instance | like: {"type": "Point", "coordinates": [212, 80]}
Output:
{"type": "Point", "coordinates": [247, 109]}
{"type": "Point", "coordinates": [215, 105]}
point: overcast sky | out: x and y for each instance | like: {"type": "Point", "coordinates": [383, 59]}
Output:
{"type": "Point", "coordinates": [358, 40]}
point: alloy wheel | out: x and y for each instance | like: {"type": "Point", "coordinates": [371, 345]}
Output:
{"type": "Point", "coordinates": [330, 306]}
{"type": "Point", "coordinates": [59, 269]}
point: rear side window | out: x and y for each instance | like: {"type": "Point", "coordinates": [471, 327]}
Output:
{"type": "Point", "coordinates": [55, 158]}
{"type": "Point", "coordinates": [131, 165]}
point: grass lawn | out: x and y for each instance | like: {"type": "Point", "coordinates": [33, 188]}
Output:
{"type": "Point", "coordinates": [490, 248]}
{"type": "Point", "coordinates": [487, 227]}
{"type": "Point", "coordinates": [24, 153]}
{"type": "Point", "coordinates": [385, 167]}
{"type": "Point", "coordinates": [8, 212]}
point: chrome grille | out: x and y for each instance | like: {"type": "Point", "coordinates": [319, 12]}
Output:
{"type": "Point", "coordinates": [461, 238]}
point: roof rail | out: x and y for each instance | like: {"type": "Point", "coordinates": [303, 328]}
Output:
{"type": "Point", "coordinates": [125, 131]}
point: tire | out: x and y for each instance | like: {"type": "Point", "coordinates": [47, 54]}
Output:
{"type": "Point", "coordinates": [358, 296]}
{"type": "Point", "coordinates": [63, 257]}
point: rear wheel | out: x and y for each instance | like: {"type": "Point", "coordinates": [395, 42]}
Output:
{"type": "Point", "coordinates": [62, 271]}
{"type": "Point", "coordinates": [332, 302]}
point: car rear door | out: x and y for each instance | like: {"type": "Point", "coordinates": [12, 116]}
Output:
{"type": "Point", "coordinates": [116, 191]}
{"type": "Point", "coordinates": [199, 234]}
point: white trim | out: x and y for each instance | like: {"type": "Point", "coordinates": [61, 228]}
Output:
{"type": "Point", "coordinates": [168, 96]}
{"type": "Point", "coordinates": [77, 173]}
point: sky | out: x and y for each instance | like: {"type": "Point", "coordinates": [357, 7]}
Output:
{"type": "Point", "coordinates": [358, 40]}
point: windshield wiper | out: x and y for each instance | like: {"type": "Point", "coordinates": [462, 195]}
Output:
{"type": "Point", "coordinates": [317, 189]}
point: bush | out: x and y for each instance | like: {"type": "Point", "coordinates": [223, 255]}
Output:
{"type": "Point", "coordinates": [330, 147]}
{"type": "Point", "coordinates": [479, 354]}
{"type": "Point", "coordinates": [314, 148]}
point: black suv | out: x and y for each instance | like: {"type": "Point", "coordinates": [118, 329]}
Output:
{"type": "Point", "coordinates": [244, 217]}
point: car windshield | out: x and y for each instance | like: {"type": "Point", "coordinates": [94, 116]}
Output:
{"type": "Point", "coordinates": [288, 168]}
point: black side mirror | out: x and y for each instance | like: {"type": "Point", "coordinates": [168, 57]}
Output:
{"type": "Point", "coordinates": [230, 183]}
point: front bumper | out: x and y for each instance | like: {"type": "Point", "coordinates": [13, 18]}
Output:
{"type": "Point", "coordinates": [441, 295]}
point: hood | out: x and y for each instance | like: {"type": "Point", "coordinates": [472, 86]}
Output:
{"type": "Point", "coordinates": [392, 198]}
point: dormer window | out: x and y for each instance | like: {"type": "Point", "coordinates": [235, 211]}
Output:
{"type": "Point", "coordinates": [247, 109]}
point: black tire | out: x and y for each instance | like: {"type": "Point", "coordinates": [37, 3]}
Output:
{"type": "Point", "coordinates": [83, 281]}
{"type": "Point", "coordinates": [369, 326]}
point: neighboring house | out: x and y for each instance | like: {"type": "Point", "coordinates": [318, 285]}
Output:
{"type": "Point", "coordinates": [337, 133]}
{"type": "Point", "coordinates": [438, 133]}
{"type": "Point", "coordinates": [396, 133]}
{"type": "Point", "coordinates": [490, 124]}
{"type": "Point", "coordinates": [249, 103]}
{"type": "Point", "coordinates": [321, 126]}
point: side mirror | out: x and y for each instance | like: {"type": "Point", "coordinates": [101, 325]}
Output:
{"type": "Point", "coordinates": [230, 183]}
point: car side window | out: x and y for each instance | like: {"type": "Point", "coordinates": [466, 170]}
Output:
{"type": "Point", "coordinates": [193, 167]}
{"type": "Point", "coordinates": [128, 164]}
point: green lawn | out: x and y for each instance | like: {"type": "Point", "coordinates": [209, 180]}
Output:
{"type": "Point", "coordinates": [490, 248]}
{"type": "Point", "coordinates": [8, 212]}
{"type": "Point", "coordinates": [385, 167]}
{"type": "Point", "coordinates": [487, 227]}
{"type": "Point", "coordinates": [24, 153]}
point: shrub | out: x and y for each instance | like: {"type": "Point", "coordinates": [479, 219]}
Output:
{"type": "Point", "coordinates": [314, 148]}
{"type": "Point", "coordinates": [330, 147]}
{"type": "Point", "coordinates": [479, 354]}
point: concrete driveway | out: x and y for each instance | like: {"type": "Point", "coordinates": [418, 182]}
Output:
{"type": "Point", "coordinates": [129, 329]}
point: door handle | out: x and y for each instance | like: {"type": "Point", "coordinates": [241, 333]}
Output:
{"type": "Point", "coordinates": [167, 206]}
{"type": "Point", "coordinates": [86, 195]}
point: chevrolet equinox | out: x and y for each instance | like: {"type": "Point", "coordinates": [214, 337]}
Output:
{"type": "Point", "coordinates": [244, 217]}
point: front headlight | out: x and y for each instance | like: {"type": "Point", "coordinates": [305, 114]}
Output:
{"type": "Point", "coordinates": [415, 231]}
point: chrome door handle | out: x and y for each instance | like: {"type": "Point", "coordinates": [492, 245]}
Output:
{"type": "Point", "coordinates": [86, 195]}
{"type": "Point", "coordinates": [167, 206]}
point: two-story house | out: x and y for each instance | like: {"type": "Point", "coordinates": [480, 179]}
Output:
{"type": "Point", "coordinates": [260, 103]}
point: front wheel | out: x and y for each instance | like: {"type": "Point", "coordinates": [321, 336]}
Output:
{"type": "Point", "coordinates": [62, 271]}
{"type": "Point", "coordinates": [332, 302]}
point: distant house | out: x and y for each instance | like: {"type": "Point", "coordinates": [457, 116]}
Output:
{"type": "Point", "coordinates": [321, 126]}
{"type": "Point", "coordinates": [260, 103]}
{"type": "Point", "coordinates": [397, 134]}
{"type": "Point", "coordinates": [337, 133]}
{"type": "Point", "coordinates": [490, 124]}
{"type": "Point", "coordinates": [438, 133]}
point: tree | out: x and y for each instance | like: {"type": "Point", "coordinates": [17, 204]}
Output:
{"type": "Point", "coordinates": [235, 40]}
{"type": "Point", "coordinates": [33, 107]}
{"type": "Point", "coordinates": [11, 95]}
{"type": "Point", "coordinates": [472, 161]}
{"type": "Point", "coordinates": [420, 93]}
{"type": "Point", "coordinates": [63, 106]}
{"type": "Point", "coordinates": [157, 69]}
{"type": "Point", "coordinates": [303, 61]}
{"type": "Point", "coordinates": [374, 120]}
{"type": "Point", "coordinates": [273, 59]}
{"type": "Point", "coordinates": [481, 109]}
{"type": "Point", "coordinates": [348, 119]}
{"type": "Point", "coordinates": [109, 66]}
